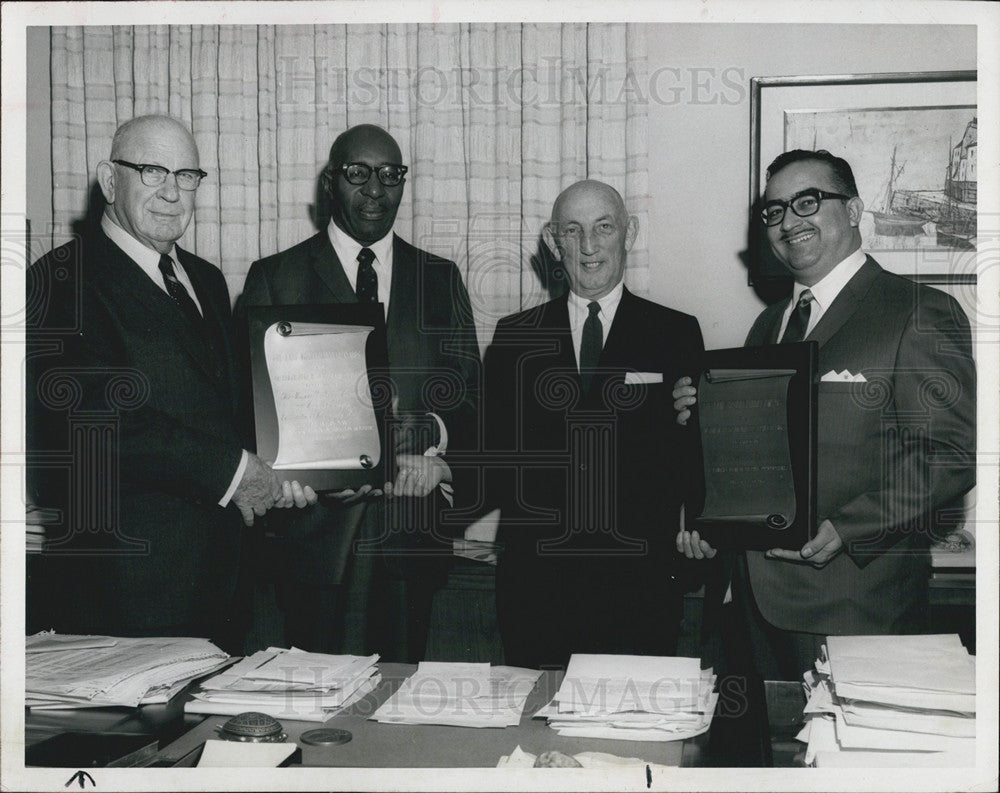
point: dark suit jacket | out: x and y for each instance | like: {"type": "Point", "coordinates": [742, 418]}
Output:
{"type": "Point", "coordinates": [589, 484]}
{"type": "Point", "coordinates": [433, 363]}
{"type": "Point", "coordinates": [133, 433]}
{"type": "Point", "coordinates": [896, 454]}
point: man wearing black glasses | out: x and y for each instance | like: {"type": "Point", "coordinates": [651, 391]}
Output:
{"type": "Point", "coordinates": [133, 432]}
{"type": "Point", "coordinates": [329, 592]}
{"type": "Point", "coordinates": [896, 427]}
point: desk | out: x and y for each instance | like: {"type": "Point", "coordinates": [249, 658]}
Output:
{"type": "Point", "coordinates": [376, 745]}
{"type": "Point", "coordinates": [740, 737]}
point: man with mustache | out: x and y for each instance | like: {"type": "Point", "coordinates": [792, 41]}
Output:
{"type": "Point", "coordinates": [337, 596]}
{"type": "Point", "coordinates": [132, 422]}
{"type": "Point", "coordinates": [896, 452]}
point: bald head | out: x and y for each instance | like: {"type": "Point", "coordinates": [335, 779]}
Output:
{"type": "Point", "coordinates": [361, 136]}
{"type": "Point", "coordinates": [590, 190]}
{"type": "Point", "coordinates": [158, 215]}
{"type": "Point", "coordinates": [591, 233]}
{"type": "Point", "coordinates": [366, 211]}
{"type": "Point", "coordinates": [137, 131]}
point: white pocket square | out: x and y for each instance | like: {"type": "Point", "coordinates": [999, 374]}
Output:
{"type": "Point", "coordinates": [843, 377]}
{"type": "Point", "coordinates": [649, 378]}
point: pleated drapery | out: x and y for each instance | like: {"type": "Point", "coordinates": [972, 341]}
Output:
{"type": "Point", "coordinates": [494, 120]}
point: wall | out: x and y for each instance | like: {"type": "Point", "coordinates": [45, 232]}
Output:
{"type": "Point", "coordinates": [699, 142]}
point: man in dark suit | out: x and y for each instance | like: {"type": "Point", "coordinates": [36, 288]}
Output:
{"type": "Point", "coordinates": [896, 437]}
{"type": "Point", "coordinates": [133, 428]}
{"type": "Point", "coordinates": [585, 459]}
{"type": "Point", "coordinates": [330, 576]}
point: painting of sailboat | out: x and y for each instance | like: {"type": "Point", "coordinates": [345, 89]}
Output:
{"type": "Point", "coordinates": [916, 170]}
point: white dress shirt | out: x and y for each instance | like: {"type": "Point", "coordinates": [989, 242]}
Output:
{"type": "Point", "coordinates": [579, 311]}
{"type": "Point", "coordinates": [347, 249]}
{"type": "Point", "coordinates": [824, 291]}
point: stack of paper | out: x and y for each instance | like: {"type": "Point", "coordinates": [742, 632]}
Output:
{"type": "Point", "coordinates": [460, 695]}
{"type": "Point", "coordinates": [892, 695]}
{"type": "Point", "coordinates": [633, 698]}
{"type": "Point", "coordinates": [289, 684]}
{"type": "Point", "coordinates": [64, 671]}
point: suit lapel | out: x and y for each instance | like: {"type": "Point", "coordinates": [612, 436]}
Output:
{"type": "Point", "coordinates": [217, 320]}
{"type": "Point", "coordinates": [556, 319]}
{"type": "Point", "coordinates": [845, 304]}
{"type": "Point", "coordinates": [152, 306]}
{"type": "Point", "coordinates": [403, 291]}
{"type": "Point", "coordinates": [327, 267]}
{"type": "Point", "coordinates": [621, 338]}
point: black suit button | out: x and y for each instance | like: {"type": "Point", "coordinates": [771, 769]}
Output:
{"type": "Point", "coordinates": [583, 467]}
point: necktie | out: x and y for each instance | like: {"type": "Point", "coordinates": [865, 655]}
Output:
{"type": "Point", "coordinates": [798, 321]}
{"type": "Point", "coordinates": [367, 281]}
{"type": "Point", "coordinates": [591, 344]}
{"type": "Point", "coordinates": [177, 291]}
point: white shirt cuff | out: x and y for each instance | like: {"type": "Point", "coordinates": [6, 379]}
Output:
{"type": "Point", "coordinates": [237, 477]}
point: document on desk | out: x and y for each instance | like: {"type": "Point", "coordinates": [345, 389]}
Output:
{"type": "Point", "coordinates": [289, 684]}
{"type": "Point", "coordinates": [124, 672]}
{"type": "Point", "coordinates": [892, 695]}
{"type": "Point", "coordinates": [460, 695]}
{"type": "Point", "coordinates": [632, 698]}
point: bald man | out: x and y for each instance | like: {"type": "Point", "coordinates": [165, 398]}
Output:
{"type": "Point", "coordinates": [133, 431]}
{"type": "Point", "coordinates": [357, 574]}
{"type": "Point", "coordinates": [584, 461]}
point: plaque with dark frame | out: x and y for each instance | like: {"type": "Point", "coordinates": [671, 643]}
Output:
{"type": "Point", "coordinates": [371, 467]}
{"type": "Point", "coordinates": [756, 419]}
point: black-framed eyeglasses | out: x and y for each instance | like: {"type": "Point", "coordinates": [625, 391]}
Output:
{"type": "Point", "coordinates": [359, 173]}
{"type": "Point", "coordinates": [803, 204]}
{"type": "Point", "coordinates": [155, 175]}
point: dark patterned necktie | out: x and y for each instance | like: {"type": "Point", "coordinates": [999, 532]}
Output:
{"type": "Point", "coordinates": [367, 281]}
{"type": "Point", "coordinates": [798, 321]}
{"type": "Point", "coordinates": [177, 291]}
{"type": "Point", "coordinates": [591, 344]}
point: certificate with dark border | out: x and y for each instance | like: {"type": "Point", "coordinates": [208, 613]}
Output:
{"type": "Point", "coordinates": [320, 394]}
{"type": "Point", "coordinates": [756, 420]}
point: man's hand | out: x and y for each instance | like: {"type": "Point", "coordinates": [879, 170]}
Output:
{"type": "Point", "coordinates": [692, 546]}
{"type": "Point", "coordinates": [818, 551]}
{"type": "Point", "coordinates": [417, 475]}
{"type": "Point", "coordinates": [258, 490]}
{"type": "Point", "coordinates": [348, 497]}
{"type": "Point", "coordinates": [294, 495]}
{"type": "Point", "coordinates": [685, 395]}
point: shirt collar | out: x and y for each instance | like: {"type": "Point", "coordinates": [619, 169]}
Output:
{"type": "Point", "coordinates": [146, 258]}
{"type": "Point", "coordinates": [578, 306]}
{"type": "Point", "coordinates": [348, 248]}
{"type": "Point", "coordinates": [825, 290]}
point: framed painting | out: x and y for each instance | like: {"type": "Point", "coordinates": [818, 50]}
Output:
{"type": "Point", "coordinates": [911, 140]}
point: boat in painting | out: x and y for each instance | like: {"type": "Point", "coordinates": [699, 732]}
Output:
{"type": "Point", "coordinates": [951, 210]}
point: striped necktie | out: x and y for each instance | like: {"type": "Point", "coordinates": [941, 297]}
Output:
{"type": "Point", "coordinates": [177, 291]}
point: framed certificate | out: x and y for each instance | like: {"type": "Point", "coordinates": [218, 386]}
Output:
{"type": "Point", "coordinates": [320, 392]}
{"type": "Point", "coordinates": [756, 417]}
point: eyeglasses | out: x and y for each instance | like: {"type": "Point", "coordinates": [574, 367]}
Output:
{"type": "Point", "coordinates": [803, 204]}
{"type": "Point", "coordinates": [155, 175]}
{"type": "Point", "coordinates": [359, 173]}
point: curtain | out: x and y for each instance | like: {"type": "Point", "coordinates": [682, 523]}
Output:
{"type": "Point", "coordinates": [494, 120]}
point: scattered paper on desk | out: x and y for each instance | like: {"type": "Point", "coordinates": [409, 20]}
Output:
{"type": "Point", "coordinates": [879, 699]}
{"type": "Point", "coordinates": [125, 672]}
{"type": "Point", "coordinates": [522, 759]}
{"type": "Point", "coordinates": [238, 754]}
{"type": "Point", "coordinates": [289, 684]}
{"type": "Point", "coordinates": [460, 695]}
{"type": "Point", "coordinates": [632, 698]}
